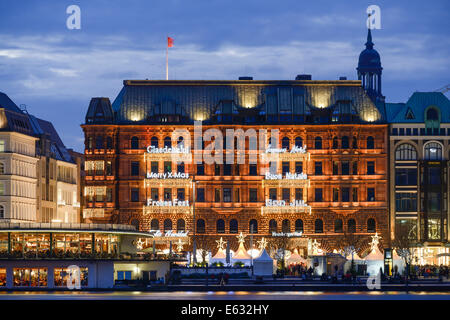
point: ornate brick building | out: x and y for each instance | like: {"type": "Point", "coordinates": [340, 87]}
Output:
{"type": "Point", "coordinates": [326, 178]}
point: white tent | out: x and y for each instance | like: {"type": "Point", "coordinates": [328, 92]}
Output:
{"type": "Point", "coordinates": [374, 261]}
{"type": "Point", "coordinates": [295, 258]}
{"type": "Point", "coordinates": [398, 262]}
{"type": "Point", "coordinates": [220, 256]}
{"type": "Point", "coordinates": [241, 255]}
{"type": "Point", "coordinates": [263, 265]}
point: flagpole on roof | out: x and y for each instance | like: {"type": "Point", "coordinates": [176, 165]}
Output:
{"type": "Point", "coordinates": [167, 59]}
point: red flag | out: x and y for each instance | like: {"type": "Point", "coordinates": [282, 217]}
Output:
{"type": "Point", "coordinates": [169, 42]}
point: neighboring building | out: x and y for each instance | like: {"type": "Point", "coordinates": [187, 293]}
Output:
{"type": "Point", "coordinates": [345, 189]}
{"type": "Point", "coordinates": [39, 177]}
{"type": "Point", "coordinates": [419, 162]}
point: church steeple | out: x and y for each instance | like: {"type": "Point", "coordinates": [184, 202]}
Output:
{"type": "Point", "coordinates": [369, 70]}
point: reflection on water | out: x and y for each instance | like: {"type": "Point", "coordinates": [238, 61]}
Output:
{"type": "Point", "coordinates": [224, 295]}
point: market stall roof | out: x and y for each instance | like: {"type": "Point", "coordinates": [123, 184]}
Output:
{"type": "Point", "coordinates": [264, 256]}
{"type": "Point", "coordinates": [375, 254]}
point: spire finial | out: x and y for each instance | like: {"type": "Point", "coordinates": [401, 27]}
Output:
{"type": "Point", "coordinates": [369, 43]}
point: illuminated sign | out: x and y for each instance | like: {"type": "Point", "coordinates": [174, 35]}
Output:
{"type": "Point", "coordinates": [282, 203]}
{"type": "Point", "coordinates": [153, 149]}
{"type": "Point", "coordinates": [167, 175]}
{"type": "Point", "coordinates": [169, 234]}
{"type": "Point", "coordinates": [287, 234]}
{"type": "Point", "coordinates": [295, 149]}
{"type": "Point", "coordinates": [168, 203]}
{"type": "Point", "coordinates": [288, 176]}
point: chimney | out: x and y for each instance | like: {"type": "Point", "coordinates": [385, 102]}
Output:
{"type": "Point", "coordinates": [342, 78]}
{"type": "Point", "coordinates": [303, 77]}
{"type": "Point", "coordinates": [246, 78]}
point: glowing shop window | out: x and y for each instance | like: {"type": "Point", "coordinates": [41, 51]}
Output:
{"type": "Point", "coordinates": [61, 276]}
{"type": "Point", "coordinates": [2, 277]}
{"type": "Point", "coordinates": [30, 277]}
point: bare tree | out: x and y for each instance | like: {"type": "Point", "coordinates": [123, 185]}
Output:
{"type": "Point", "coordinates": [203, 245]}
{"type": "Point", "coordinates": [349, 244]}
{"type": "Point", "coordinates": [404, 242]}
{"type": "Point", "coordinates": [277, 244]}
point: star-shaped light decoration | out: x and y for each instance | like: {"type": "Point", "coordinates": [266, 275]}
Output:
{"type": "Point", "coordinates": [241, 238]}
{"type": "Point", "coordinates": [220, 244]}
{"type": "Point", "coordinates": [374, 243]}
{"type": "Point", "coordinates": [262, 244]}
{"type": "Point", "coordinates": [139, 244]}
{"type": "Point", "coordinates": [179, 245]}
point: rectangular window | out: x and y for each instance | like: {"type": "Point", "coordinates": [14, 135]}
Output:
{"type": "Point", "coordinates": [406, 177]}
{"type": "Point", "coordinates": [200, 169]}
{"type": "Point", "coordinates": [134, 194]}
{"type": "Point", "coordinates": [236, 170]}
{"type": "Point", "coordinates": [318, 195]}
{"type": "Point", "coordinates": [180, 194]}
{"type": "Point", "coordinates": [227, 169]}
{"type": "Point", "coordinates": [336, 194]}
{"type": "Point", "coordinates": [299, 194]}
{"type": "Point", "coordinates": [109, 195]}
{"type": "Point", "coordinates": [253, 170]}
{"type": "Point", "coordinates": [167, 166]}
{"type": "Point", "coordinates": [273, 167]}
{"type": "Point", "coordinates": [134, 168]}
{"type": "Point", "coordinates": [345, 194]}
{"type": "Point", "coordinates": [226, 194]}
{"type": "Point", "coordinates": [2, 188]}
{"type": "Point", "coordinates": [286, 194]}
{"type": "Point", "coordinates": [109, 168]}
{"type": "Point", "coordinates": [370, 194]}
{"type": "Point", "coordinates": [335, 168]}
{"type": "Point", "coordinates": [253, 195]}
{"type": "Point", "coordinates": [30, 277]}
{"type": "Point", "coordinates": [167, 194]}
{"type": "Point", "coordinates": [237, 197]}
{"type": "Point", "coordinates": [154, 167]}
{"type": "Point", "coordinates": [154, 194]}
{"type": "Point", "coordinates": [201, 195]}
{"type": "Point", "coordinates": [2, 145]}
{"type": "Point", "coordinates": [406, 202]}
{"type": "Point", "coordinates": [273, 194]}
{"type": "Point", "coordinates": [355, 194]}
{"type": "Point", "coordinates": [355, 168]}
{"type": "Point", "coordinates": [217, 195]}
{"type": "Point", "coordinates": [61, 276]}
{"type": "Point", "coordinates": [285, 167]}
{"type": "Point", "coordinates": [370, 167]}
{"type": "Point", "coordinates": [298, 167]}
{"type": "Point", "coordinates": [217, 169]}
{"type": "Point", "coordinates": [318, 168]}
{"type": "Point", "coordinates": [345, 168]}
{"type": "Point", "coordinates": [2, 277]}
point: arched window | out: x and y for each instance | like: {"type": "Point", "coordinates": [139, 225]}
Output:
{"type": "Point", "coordinates": [432, 114]}
{"type": "Point", "coordinates": [181, 225]}
{"type": "Point", "coordinates": [299, 225]}
{"type": "Point", "coordinates": [2, 212]}
{"type": "Point", "coordinates": [433, 151]}
{"type": "Point", "coordinates": [180, 142]}
{"type": "Point", "coordinates": [180, 167]}
{"type": "Point", "coordinates": [370, 142]}
{"type": "Point", "coordinates": [371, 225]}
{"type": "Point", "coordinates": [272, 226]}
{"type": "Point", "coordinates": [134, 143]}
{"type": "Point", "coordinates": [220, 226]}
{"type": "Point", "coordinates": [285, 143]}
{"type": "Point", "coordinates": [168, 142]}
{"type": "Point", "coordinates": [135, 223]}
{"type": "Point", "coordinates": [286, 226]}
{"type": "Point", "coordinates": [338, 226]}
{"type": "Point", "coordinates": [154, 225]}
{"type": "Point", "coordinates": [405, 151]}
{"type": "Point", "coordinates": [201, 226]}
{"type": "Point", "coordinates": [335, 143]}
{"type": "Point", "coordinates": [253, 226]}
{"type": "Point", "coordinates": [318, 226]}
{"type": "Point", "coordinates": [351, 225]}
{"type": "Point", "coordinates": [345, 142]}
{"type": "Point", "coordinates": [109, 143]}
{"type": "Point", "coordinates": [2, 168]}
{"type": "Point", "coordinates": [318, 143]}
{"type": "Point", "coordinates": [298, 142]}
{"type": "Point", "coordinates": [154, 142]}
{"type": "Point", "coordinates": [167, 225]}
{"type": "Point", "coordinates": [98, 142]}
{"type": "Point", "coordinates": [233, 226]}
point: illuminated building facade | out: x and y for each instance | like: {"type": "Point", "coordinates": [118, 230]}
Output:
{"type": "Point", "coordinates": [340, 183]}
{"type": "Point", "coordinates": [419, 162]}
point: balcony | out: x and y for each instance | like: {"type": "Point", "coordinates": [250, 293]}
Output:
{"type": "Point", "coordinates": [290, 180]}
{"type": "Point", "coordinates": [282, 206]}
{"type": "Point", "coordinates": [296, 154]}
{"type": "Point", "coordinates": [93, 213]}
{"type": "Point", "coordinates": [168, 179]}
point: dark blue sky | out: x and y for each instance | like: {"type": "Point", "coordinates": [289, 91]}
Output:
{"type": "Point", "coordinates": [55, 71]}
